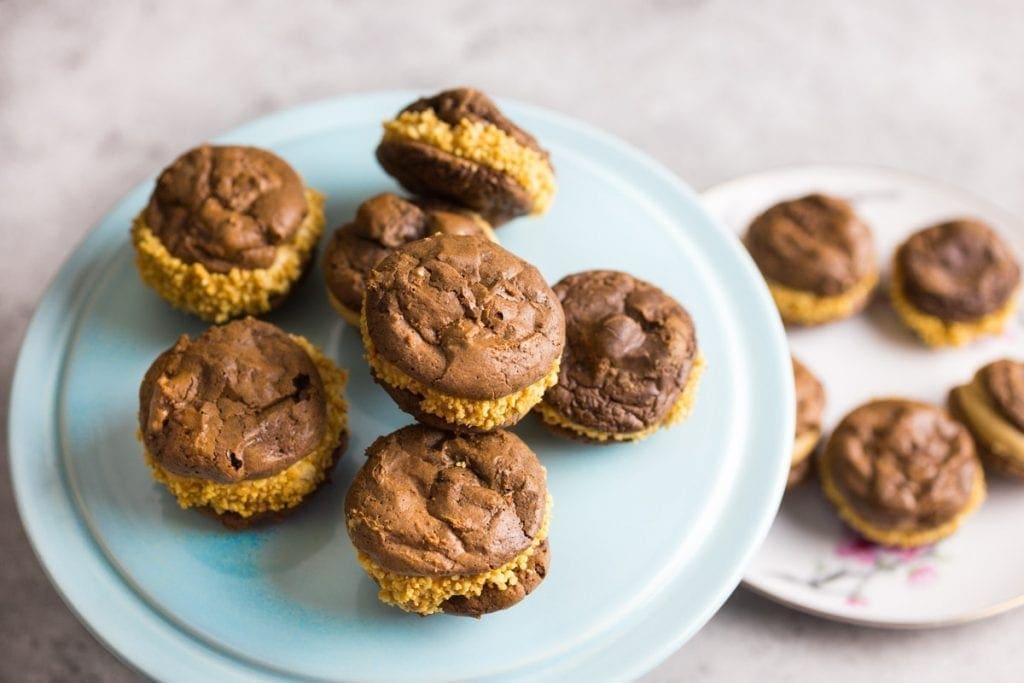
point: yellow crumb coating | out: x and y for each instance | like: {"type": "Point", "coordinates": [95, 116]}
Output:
{"type": "Point", "coordinates": [346, 313]}
{"type": "Point", "coordinates": [483, 143]}
{"type": "Point", "coordinates": [935, 331]}
{"type": "Point", "coordinates": [997, 437]}
{"type": "Point", "coordinates": [804, 445]}
{"type": "Point", "coordinates": [902, 538]}
{"type": "Point", "coordinates": [676, 414]}
{"type": "Point", "coordinates": [218, 297]}
{"type": "Point", "coordinates": [288, 487]}
{"type": "Point", "coordinates": [482, 415]}
{"type": "Point", "coordinates": [806, 308]}
{"type": "Point", "coordinates": [425, 594]}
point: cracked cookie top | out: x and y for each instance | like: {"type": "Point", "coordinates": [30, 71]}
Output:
{"type": "Point", "coordinates": [241, 401]}
{"type": "Point", "coordinates": [628, 354]}
{"type": "Point", "coordinates": [433, 503]}
{"type": "Point", "coordinates": [815, 243]}
{"type": "Point", "coordinates": [382, 224]}
{"type": "Point", "coordinates": [903, 464]}
{"type": "Point", "coordinates": [464, 317]}
{"type": "Point", "coordinates": [226, 207]}
{"type": "Point", "coordinates": [957, 270]}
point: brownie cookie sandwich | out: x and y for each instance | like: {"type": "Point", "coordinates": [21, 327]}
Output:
{"type": "Point", "coordinates": [810, 403]}
{"type": "Point", "coordinates": [461, 333]}
{"type": "Point", "coordinates": [244, 420]}
{"type": "Point", "coordinates": [992, 407]}
{"type": "Point", "coordinates": [382, 224]}
{"type": "Point", "coordinates": [902, 473]}
{"type": "Point", "coordinates": [458, 146]}
{"type": "Point", "coordinates": [954, 282]}
{"type": "Point", "coordinates": [450, 523]}
{"type": "Point", "coordinates": [631, 364]}
{"type": "Point", "coordinates": [817, 256]}
{"type": "Point", "coordinates": [227, 232]}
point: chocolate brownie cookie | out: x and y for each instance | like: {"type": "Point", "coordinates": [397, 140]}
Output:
{"type": "Point", "coordinates": [631, 363]}
{"type": "Point", "coordinates": [471, 329]}
{"type": "Point", "coordinates": [458, 146]}
{"type": "Point", "coordinates": [817, 256]}
{"type": "Point", "coordinates": [992, 407]}
{"type": "Point", "coordinates": [244, 419]}
{"type": "Point", "coordinates": [902, 473]}
{"type": "Point", "coordinates": [954, 282]}
{"type": "Point", "coordinates": [450, 523]}
{"type": "Point", "coordinates": [382, 224]}
{"type": "Point", "coordinates": [227, 232]}
{"type": "Point", "coordinates": [810, 403]}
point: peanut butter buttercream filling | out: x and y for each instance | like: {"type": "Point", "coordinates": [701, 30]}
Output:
{"type": "Point", "coordinates": [483, 143]}
{"type": "Point", "coordinates": [218, 297]}
{"type": "Point", "coordinates": [425, 594]}
{"type": "Point", "coordinates": [483, 415]}
{"type": "Point", "coordinates": [993, 430]}
{"type": "Point", "coordinates": [485, 227]}
{"type": "Point", "coordinates": [806, 308]}
{"type": "Point", "coordinates": [903, 538]}
{"type": "Point", "coordinates": [935, 331]}
{"type": "Point", "coordinates": [676, 414]}
{"type": "Point", "coordinates": [346, 313]}
{"type": "Point", "coordinates": [804, 444]}
{"type": "Point", "coordinates": [288, 487]}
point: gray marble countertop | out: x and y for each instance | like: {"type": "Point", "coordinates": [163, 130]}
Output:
{"type": "Point", "coordinates": [96, 96]}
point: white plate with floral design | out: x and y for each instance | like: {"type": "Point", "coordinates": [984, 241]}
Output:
{"type": "Point", "coordinates": [811, 561]}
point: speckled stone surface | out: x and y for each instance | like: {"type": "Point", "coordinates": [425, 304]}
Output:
{"type": "Point", "coordinates": [96, 96]}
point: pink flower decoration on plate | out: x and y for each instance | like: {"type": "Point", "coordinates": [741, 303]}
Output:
{"type": "Point", "coordinates": [922, 574]}
{"type": "Point", "coordinates": [858, 550]}
{"type": "Point", "coordinates": [855, 600]}
{"type": "Point", "coordinates": [910, 554]}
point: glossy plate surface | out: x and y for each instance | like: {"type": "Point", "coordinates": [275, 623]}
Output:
{"type": "Point", "coordinates": [647, 540]}
{"type": "Point", "coordinates": [810, 561]}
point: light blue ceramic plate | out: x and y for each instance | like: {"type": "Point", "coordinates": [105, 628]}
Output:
{"type": "Point", "coordinates": [647, 540]}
